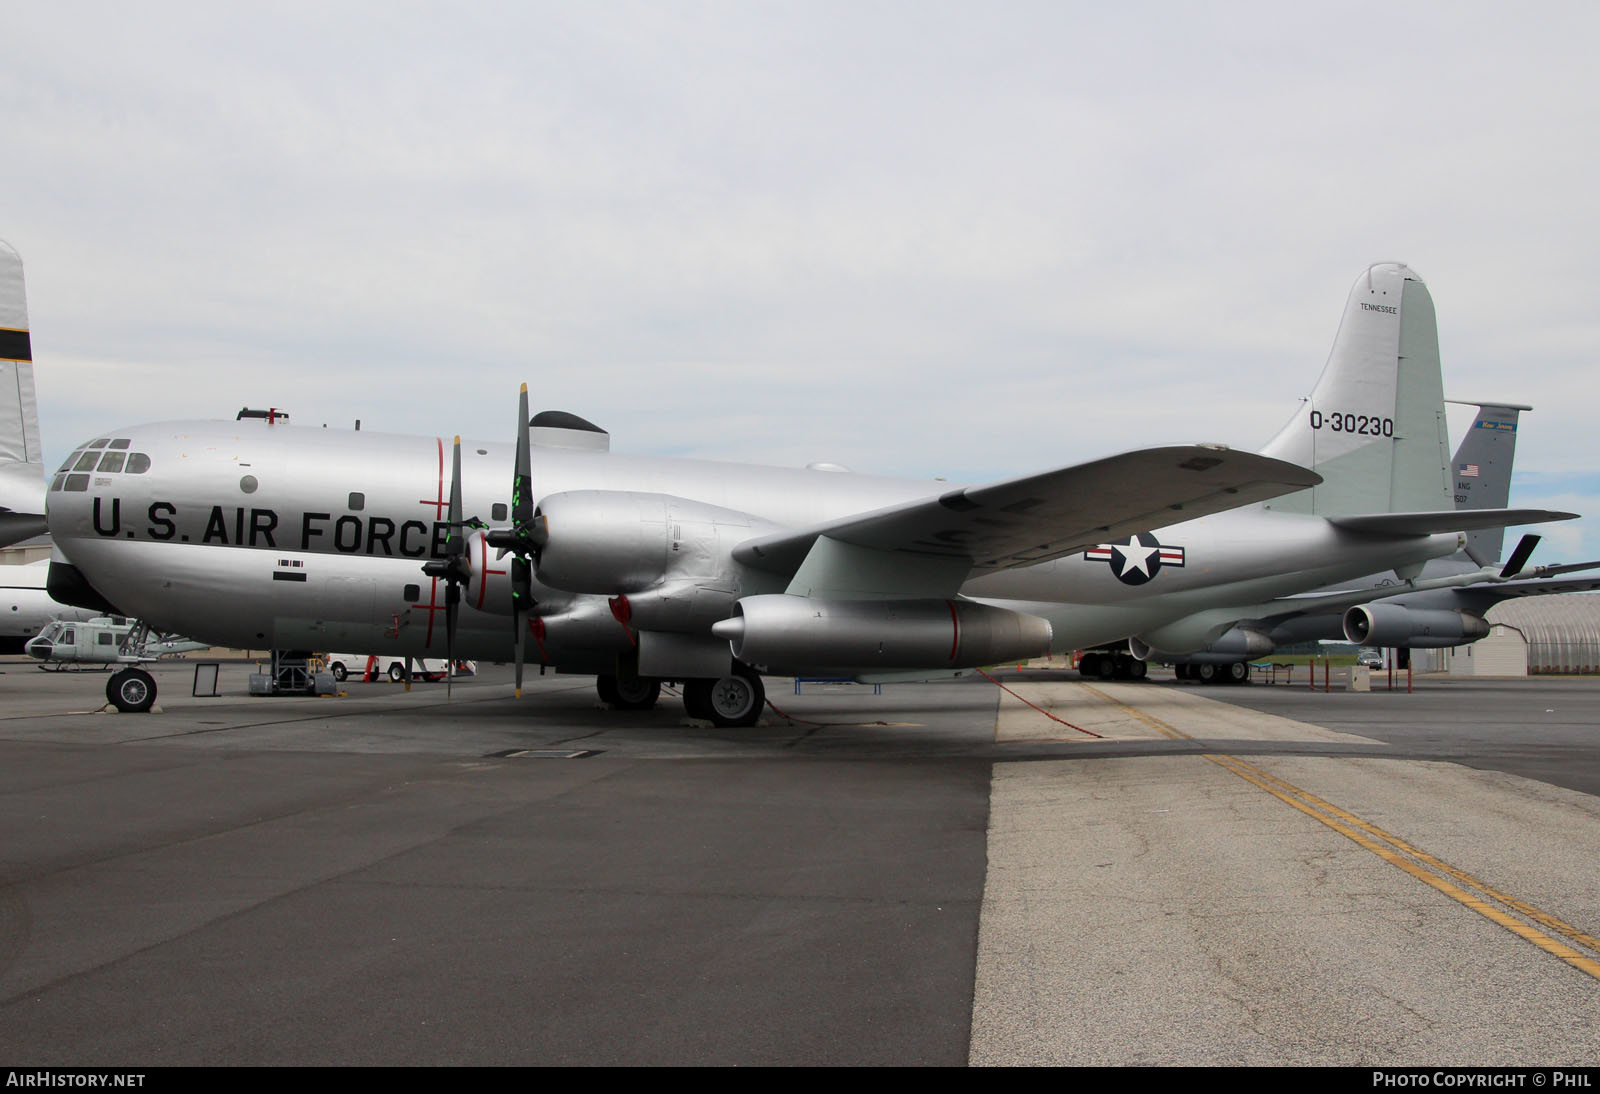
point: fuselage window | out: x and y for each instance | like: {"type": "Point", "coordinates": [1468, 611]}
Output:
{"type": "Point", "coordinates": [358, 502]}
{"type": "Point", "coordinates": [104, 639]}
{"type": "Point", "coordinates": [412, 594]}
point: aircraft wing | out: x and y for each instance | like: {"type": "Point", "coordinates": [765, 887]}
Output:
{"type": "Point", "coordinates": [1445, 520]}
{"type": "Point", "coordinates": [1018, 522]}
{"type": "Point", "coordinates": [1480, 586]}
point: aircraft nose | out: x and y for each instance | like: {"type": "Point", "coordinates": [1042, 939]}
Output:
{"type": "Point", "coordinates": [39, 647]}
{"type": "Point", "coordinates": [106, 465]}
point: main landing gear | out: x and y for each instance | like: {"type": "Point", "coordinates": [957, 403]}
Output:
{"type": "Point", "coordinates": [1235, 672]}
{"type": "Point", "coordinates": [734, 700]}
{"type": "Point", "coordinates": [1111, 665]}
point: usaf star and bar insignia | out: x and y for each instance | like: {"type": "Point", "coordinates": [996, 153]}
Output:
{"type": "Point", "coordinates": [1136, 559]}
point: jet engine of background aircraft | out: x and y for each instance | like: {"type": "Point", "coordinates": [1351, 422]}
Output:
{"type": "Point", "coordinates": [1235, 644]}
{"type": "Point", "coordinates": [1392, 626]}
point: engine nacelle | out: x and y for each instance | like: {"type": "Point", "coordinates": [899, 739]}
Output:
{"type": "Point", "coordinates": [1390, 625]}
{"type": "Point", "coordinates": [613, 541]}
{"type": "Point", "coordinates": [800, 633]}
{"type": "Point", "coordinates": [1237, 644]}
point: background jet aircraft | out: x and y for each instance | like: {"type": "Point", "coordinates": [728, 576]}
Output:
{"type": "Point", "coordinates": [25, 606]}
{"type": "Point", "coordinates": [1382, 609]}
{"type": "Point", "coordinates": [640, 570]}
{"type": "Point", "coordinates": [22, 475]}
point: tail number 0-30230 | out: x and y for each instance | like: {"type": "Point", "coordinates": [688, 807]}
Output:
{"type": "Point", "coordinates": [1364, 425]}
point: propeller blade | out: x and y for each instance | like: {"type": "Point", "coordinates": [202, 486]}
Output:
{"type": "Point", "coordinates": [452, 612]}
{"type": "Point", "coordinates": [522, 604]}
{"type": "Point", "coordinates": [522, 480]}
{"type": "Point", "coordinates": [521, 621]}
{"type": "Point", "coordinates": [457, 542]}
{"type": "Point", "coordinates": [1519, 557]}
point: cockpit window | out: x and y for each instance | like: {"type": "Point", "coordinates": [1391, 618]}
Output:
{"type": "Point", "coordinates": [113, 461]}
{"type": "Point", "coordinates": [58, 482]}
{"type": "Point", "coordinates": [77, 484]}
{"type": "Point", "coordinates": [101, 443]}
{"type": "Point", "coordinates": [86, 461]}
{"type": "Point", "coordinates": [138, 463]}
{"type": "Point", "coordinates": [121, 442]}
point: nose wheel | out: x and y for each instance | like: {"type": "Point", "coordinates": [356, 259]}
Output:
{"type": "Point", "coordinates": [131, 691]}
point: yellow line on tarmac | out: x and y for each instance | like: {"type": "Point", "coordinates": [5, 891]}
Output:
{"type": "Point", "coordinates": [1427, 868]}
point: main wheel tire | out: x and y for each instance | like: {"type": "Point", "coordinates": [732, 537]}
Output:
{"type": "Point", "coordinates": [736, 699]}
{"type": "Point", "coordinates": [131, 691]}
{"type": "Point", "coordinates": [1105, 668]}
{"type": "Point", "coordinates": [1238, 672]}
{"type": "Point", "coordinates": [397, 672]}
{"type": "Point", "coordinates": [339, 671]}
{"type": "Point", "coordinates": [1089, 666]}
{"type": "Point", "coordinates": [1181, 671]}
{"type": "Point", "coordinates": [1206, 674]}
{"type": "Point", "coordinates": [638, 693]}
{"type": "Point", "coordinates": [1137, 670]}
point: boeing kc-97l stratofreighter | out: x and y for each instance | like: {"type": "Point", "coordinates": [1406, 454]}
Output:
{"type": "Point", "coordinates": [258, 533]}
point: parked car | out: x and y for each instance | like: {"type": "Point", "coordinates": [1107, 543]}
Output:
{"type": "Point", "coordinates": [343, 665]}
{"type": "Point", "coordinates": [1370, 658]}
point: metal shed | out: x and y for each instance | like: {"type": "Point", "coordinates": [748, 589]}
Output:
{"type": "Point", "coordinates": [1535, 635]}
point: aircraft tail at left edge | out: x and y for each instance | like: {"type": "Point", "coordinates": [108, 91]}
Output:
{"type": "Point", "coordinates": [22, 476]}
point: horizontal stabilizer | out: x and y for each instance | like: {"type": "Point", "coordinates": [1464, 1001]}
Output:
{"type": "Point", "coordinates": [1543, 586]}
{"type": "Point", "coordinates": [1568, 568]}
{"type": "Point", "coordinates": [1022, 521]}
{"type": "Point", "coordinates": [1444, 520]}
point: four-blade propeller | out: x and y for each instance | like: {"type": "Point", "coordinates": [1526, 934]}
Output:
{"type": "Point", "coordinates": [454, 569]}
{"type": "Point", "coordinates": [524, 539]}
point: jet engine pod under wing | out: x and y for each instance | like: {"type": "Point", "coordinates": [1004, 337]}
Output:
{"type": "Point", "coordinates": [798, 633]}
{"type": "Point", "coordinates": [1393, 626]}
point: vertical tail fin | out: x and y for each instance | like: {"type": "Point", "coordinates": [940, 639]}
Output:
{"type": "Point", "coordinates": [1481, 470]}
{"type": "Point", "coordinates": [1374, 427]}
{"type": "Point", "coordinates": [21, 460]}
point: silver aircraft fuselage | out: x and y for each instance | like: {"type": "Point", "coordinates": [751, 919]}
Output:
{"type": "Point", "coordinates": [258, 535]}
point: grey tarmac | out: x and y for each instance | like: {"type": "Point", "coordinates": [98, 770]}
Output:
{"type": "Point", "coordinates": [933, 875]}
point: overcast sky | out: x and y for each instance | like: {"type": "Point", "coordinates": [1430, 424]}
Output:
{"type": "Point", "coordinates": [955, 239]}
